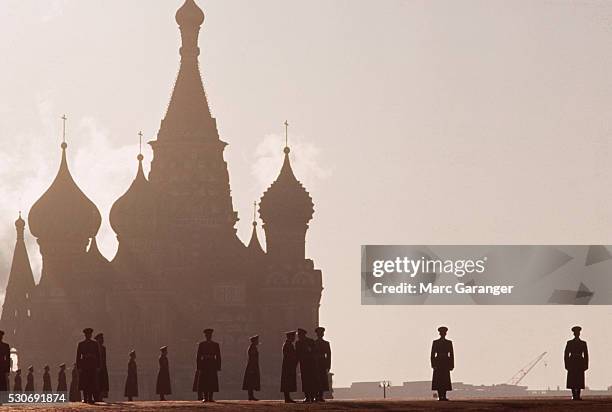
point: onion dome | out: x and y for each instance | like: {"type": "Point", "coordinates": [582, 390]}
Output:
{"type": "Point", "coordinates": [286, 200]}
{"type": "Point", "coordinates": [133, 214]}
{"type": "Point", "coordinates": [63, 212]}
{"type": "Point", "coordinates": [190, 14]}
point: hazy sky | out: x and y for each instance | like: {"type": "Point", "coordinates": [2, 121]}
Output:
{"type": "Point", "coordinates": [413, 122]}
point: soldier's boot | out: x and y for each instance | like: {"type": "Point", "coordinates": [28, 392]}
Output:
{"type": "Point", "coordinates": [288, 398]}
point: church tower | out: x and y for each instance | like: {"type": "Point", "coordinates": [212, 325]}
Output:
{"type": "Point", "coordinates": [286, 208]}
{"type": "Point", "coordinates": [16, 310]}
{"type": "Point", "coordinates": [188, 168]}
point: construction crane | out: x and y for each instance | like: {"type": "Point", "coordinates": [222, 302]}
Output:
{"type": "Point", "coordinates": [518, 377]}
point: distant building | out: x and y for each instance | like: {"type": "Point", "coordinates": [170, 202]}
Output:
{"type": "Point", "coordinates": [180, 267]}
{"type": "Point", "coordinates": [422, 390]}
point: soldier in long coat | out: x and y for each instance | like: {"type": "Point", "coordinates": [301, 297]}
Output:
{"type": "Point", "coordinates": [252, 376]}
{"type": "Point", "coordinates": [5, 363]}
{"type": "Point", "coordinates": [62, 385]}
{"type": "Point", "coordinates": [576, 359]}
{"type": "Point", "coordinates": [88, 364]}
{"type": "Point", "coordinates": [75, 393]}
{"type": "Point", "coordinates": [17, 383]}
{"type": "Point", "coordinates": [322, 353]}
{"type": "Point", "coordinates": [131, 382]}
{"type": "Point", "coordinates": [29, 387]}
{"type": "Point", "coordinates": [442, 362]}
{"type": "Point", "coordinates": [288, 371]}
{"type": "Point", "coordinates": [163, 387]}
{"type": "Point", "coordinates": [304, 348]}
{"type": "Point", "coordinates": [208, 362]}
{"type": "Point", "coordinates": [103, 384]}
{"type": "Point", "coordinates": [47, 380]}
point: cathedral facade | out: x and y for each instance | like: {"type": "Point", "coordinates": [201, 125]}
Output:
{"type": "Point", "coordinates": [180, 266]}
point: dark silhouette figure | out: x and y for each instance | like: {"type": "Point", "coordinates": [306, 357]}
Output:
{"type": "Point", "coordinates": [47, 380]}
{"type": "Point", "coordinates": [252, 377]}
{"type": "Point", "coordinates": [30, 379]}
{"type": "Point", "coordinates": [75, 392]}
{"type": "Point", "coordinates": [442, 362]}
{"type": "Point", "coordinates": [304, 348]}
{"type": "Point", "coordinates": [288, 372]}
{"type": "Point", "coordinates": [17, 387]}
{"type": "Point", "coordinates": [163, 387]}
{"type": "Point", "coordinates": [5, 363]}
{"type": "Point", "coordinates": [62, 385]}
{"type": "Point", "coordinates": [576, 359]}
{"type": "Point", "coordinates": [88, 364]}
{"type": "Point", "coordinates": [131, 382]}
{"type": "Point", "coordinates": [208, 361]}
{"type": "Point", "coordinates": [322, 354]}
{"type": "Point", "coordinates": [102, 381]}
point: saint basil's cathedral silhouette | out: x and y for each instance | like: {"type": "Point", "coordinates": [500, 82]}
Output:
{"type": "Point", "coordinates": [179, 267]}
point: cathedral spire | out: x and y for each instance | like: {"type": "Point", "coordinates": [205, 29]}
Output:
{"type": "Point", "coordinates": [188, 117]}
{"type": "Point", "coordinates": [254, 245]}
{"type": "Point", "coordinates": [20, 284]}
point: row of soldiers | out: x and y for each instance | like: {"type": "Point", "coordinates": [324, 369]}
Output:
{"type": "Point", "coordinates": [313, 356]}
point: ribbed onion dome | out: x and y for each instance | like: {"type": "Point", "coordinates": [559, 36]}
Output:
{"type": "Point", "coordinates": [133, 214]}
{"type": "Point", "coordinates": [189, 14]}
{"type": "Point", "coordinates": [63, 212]}
{"type": "Point", "coordinates": [20, 223]}
{"type": "Point", "coordinates": [286, 200]}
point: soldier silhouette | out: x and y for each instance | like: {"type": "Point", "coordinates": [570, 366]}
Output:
{"type": "Point", "coordinates": [75, 393]}
{"type": "Point", "coordinates": [5, 363]}
{"type": "Point", "coordinates": [17, 383]}
{"type": "Point", "coordinates": [576, 359]}
{"type": "Point", "coordinates": [288, 371]}
{"type": "Point", "coordinates": [322, 354]}
{"type": "Point", "coordinates": [30, 379]}
{"type": "Point", "coordinates": [442, 362]}
{"type": "Point", "coordinates": [252, 377]}
{"type": "Point", "coordinates": [102, 381]}
{"type": "Point", "coordinates": [62, 386]}
{"type": "Point", "coordinates": [131, 382]}
{"type": "Point", "coordinates": [88, 364]}
{"type": "Point", "coordinates": [163, 387]}
{"type": "Point", "coordinates": [208, 361]}
{"type": "Point", "coordinates": [304, 348]}
{"type": "Point", "coordinates": [47, 380]}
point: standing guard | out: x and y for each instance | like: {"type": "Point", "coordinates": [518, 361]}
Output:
{"type": "Point", "coordinates": [17, 384]}
{"type": "Point", "coordinates": [62, 385]}
{"type": "Point", "coordinates": [131, 383]}
{"type": "Point", "coordinates": [322, 353]}
{"type": "Point", "coordinates": [5, 363]}
{"type": "Point", "coordinates": [30, 379]}
{"type": "Point", "coordinates": [88, 364]}
{"type": "Point", "coordinates": [304, 348]}
{"type": "Point", "coordinates": [288, 372]}
{"type": "Point", "coordinates": [163, 387]}
{"type": "Point", "coordinates": [47, 380]}
{"type": "Point", "coordinates": [576, 359]}
{"type": "Point", "coordinates": [442, 362]}
{"type": "Point", "coordinates": [75, 393]}
{"type": "Point", "coordinates": [252, 376]}
{"type": "Point", "coordinates": [103, 384]}
{"type": "Point", "coordinates": [208, 363]}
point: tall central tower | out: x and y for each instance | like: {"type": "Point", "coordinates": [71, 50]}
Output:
{"type": "Point", "coordinates": [188, 169]}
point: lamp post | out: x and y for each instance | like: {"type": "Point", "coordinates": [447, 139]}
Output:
{"type": "Point", "coordinates": [384, 385]}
